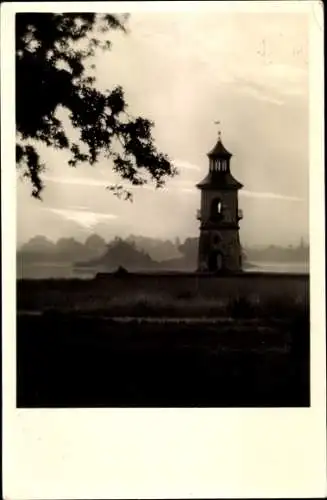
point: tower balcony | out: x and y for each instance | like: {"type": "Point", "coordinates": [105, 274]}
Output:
{"type": "Point", "coordinates": [239, 214]}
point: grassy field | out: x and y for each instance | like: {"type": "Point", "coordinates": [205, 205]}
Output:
{"type": "Point", "coordinates": [148, 351]}
{"type": "Point", "coordinates": [117, 297]}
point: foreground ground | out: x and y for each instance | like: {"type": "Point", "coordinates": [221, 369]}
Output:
{"type": "Point", "coordinates": [251, 358]}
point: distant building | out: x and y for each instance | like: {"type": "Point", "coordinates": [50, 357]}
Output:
{"type": "Point", "coordinates": [219, 215]}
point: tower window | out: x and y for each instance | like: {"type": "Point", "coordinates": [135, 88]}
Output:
{"type": "Point", "coordinates": [216, 207]}
{"type": "Point", "coordinates": [218, 165]}
{"type": "Point", "coordinates": [222, 165]}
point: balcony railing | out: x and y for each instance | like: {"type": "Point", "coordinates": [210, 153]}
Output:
{"type": "Point", "coordinates": [218, 217]}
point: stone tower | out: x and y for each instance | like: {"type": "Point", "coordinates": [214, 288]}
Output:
{"type": "Point", "coordinates": [219, 215]}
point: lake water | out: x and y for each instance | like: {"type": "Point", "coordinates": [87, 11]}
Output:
{"type": "Point", "coordinates": [280, 267]}
{"type": "Point", "coordinates": [58, 271]}
{"type": "Point", "coordinates": [53, 271]}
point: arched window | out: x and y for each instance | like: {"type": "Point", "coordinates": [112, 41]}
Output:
{"type": "Point", "coordinates": [216, 207]}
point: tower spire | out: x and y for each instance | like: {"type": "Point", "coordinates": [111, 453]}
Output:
{"type": "Point", "coordinates": [219, 130]}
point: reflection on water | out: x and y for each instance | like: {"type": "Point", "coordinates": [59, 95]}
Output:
{"type": "Point", "coordinates": [281, 267]}
{"type": "Point", "coordinates": [53, 271]}
{"type": "Point", "coordinates": [59, 271]}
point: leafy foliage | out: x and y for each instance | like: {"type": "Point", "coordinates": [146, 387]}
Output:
{"type": "Point", "coordinates": [52, 72]}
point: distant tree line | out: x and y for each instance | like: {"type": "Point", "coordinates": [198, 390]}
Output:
{"type": "Point", "coordinates": [274, 253]}
{"type": "Point", "coordinates": [42, 249]}
{"type": "Point", "coordinates": [139, 253]}
{"type": "Point", "coordinates": [134, 252]}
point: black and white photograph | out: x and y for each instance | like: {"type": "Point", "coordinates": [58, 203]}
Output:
{"type": "Point", "coordinates": [162, 210]}
{"type": "Point", "coordinates": [163, 213]}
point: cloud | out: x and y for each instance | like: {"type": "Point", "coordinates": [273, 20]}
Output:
{"type": "Point", "coordinates": [263, 97]}
{"type": "Point", "coordinates": [82, 217]}
{"type": "Point", "coordinates": [185, 165]}
{"type": "Point", "coordinates": [79, 207]}
{"type": "Point", "coordinates": [271, 196]}
{"type": "Point", "coordinates": [86, 181]}
{"type": "Point", "coordinates": [255, 92]}
{"type": "Point", "coordinates": [90, 182]}
{"type": "Point", "coordinates": [258, 91]}
{"type": "Point", "coordinates": [81, 181]}
{"type": "Point", "coordinates": [253, 194]}
{"type": "Point", "coordinates": [272, 78]}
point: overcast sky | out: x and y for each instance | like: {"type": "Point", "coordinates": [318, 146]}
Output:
{"type": "Point", "coordinates": [184, 71]}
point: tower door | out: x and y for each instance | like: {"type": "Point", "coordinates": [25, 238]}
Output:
{"type": "Point", "coordinates": [216, 262]}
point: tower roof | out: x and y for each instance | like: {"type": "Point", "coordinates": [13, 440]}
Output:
{"type": "Point", "coordinates": [219, 175]}
{"type": "Point", "coordinates": [219, 180]}
{"type": "Point", "coordinates": [219, 151]}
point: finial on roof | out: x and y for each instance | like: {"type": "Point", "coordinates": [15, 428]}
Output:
{"type": "Point", "coordinates": [219, 131]}
{"type": "Point", "coordinates": [219, 150]}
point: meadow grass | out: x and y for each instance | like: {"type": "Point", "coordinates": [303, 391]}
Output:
{"type": "Point", "coordinates": [67, 360]}
{"type": "Point", "coordinates": [166, 298]}
{"type": "Point", "coordinates": [77, 354]}
{"type": "Point", "coordinates": [146, 305]}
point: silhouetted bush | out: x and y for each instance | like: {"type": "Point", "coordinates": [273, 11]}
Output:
{"type": "Point", "coordinates": [121, 271]}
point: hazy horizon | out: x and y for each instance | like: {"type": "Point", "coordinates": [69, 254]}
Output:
{"type": "Point", "coordinates": [84, 238]}
{"type": "Point", "coordinates": [184, 71]}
